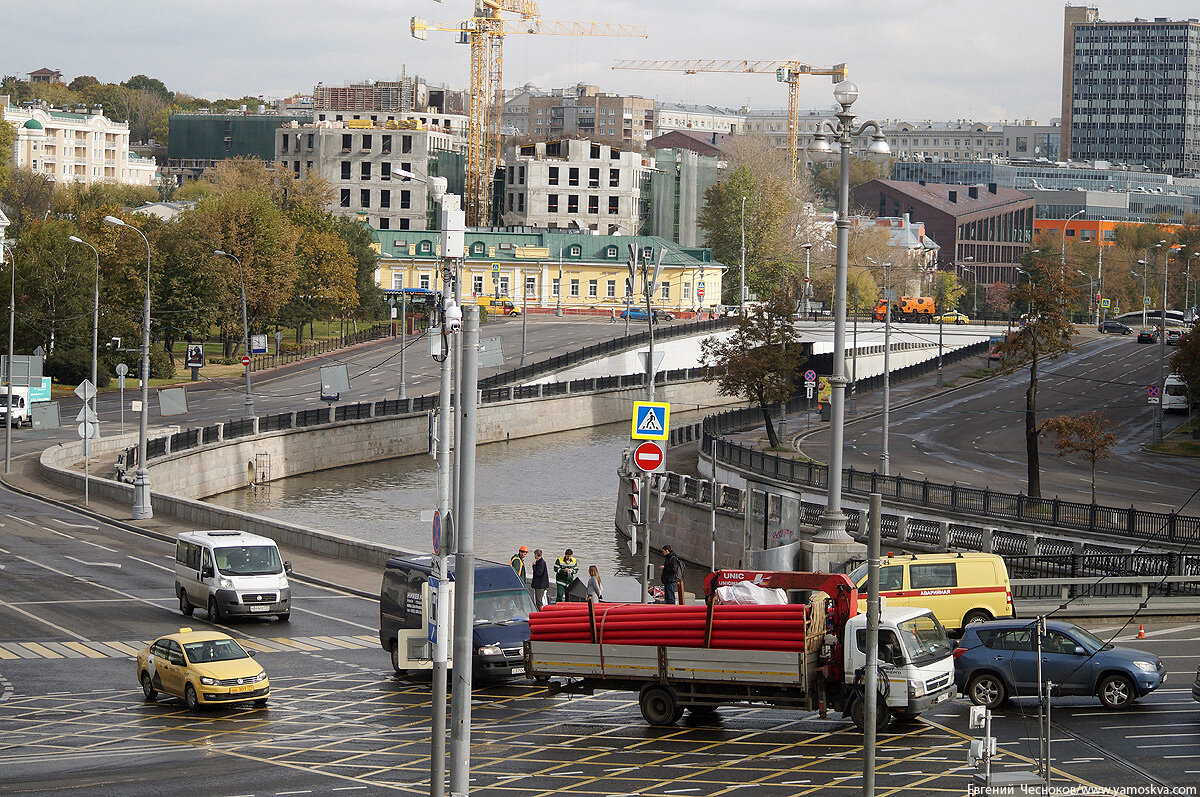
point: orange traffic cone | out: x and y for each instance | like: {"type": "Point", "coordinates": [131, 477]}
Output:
{"type": "Point", "coordinates": [1141, 631]}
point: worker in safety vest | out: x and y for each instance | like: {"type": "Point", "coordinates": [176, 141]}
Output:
{"type": "Point", "coordinates": [518, 562]}
{"type": "Point", "coordinates": [566, 567]}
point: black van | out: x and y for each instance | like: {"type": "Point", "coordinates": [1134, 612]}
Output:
{"type": "Point", "coordinates": [502, 607]}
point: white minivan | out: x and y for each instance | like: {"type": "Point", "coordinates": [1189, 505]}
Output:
{"type": "Point", "coordinates": [231, 573]}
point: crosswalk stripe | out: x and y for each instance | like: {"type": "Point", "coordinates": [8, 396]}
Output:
{"type": "Point", "coordinates": [79, 647]}
{"type": "Point", "coordinates": [124, 648]}
{"type": "Point", "coordinates": [368, 637]}
{"type": "Point", "coordinates": [43, 651]}
{"type": "Point", "coordinates": [58, 647]}
{"type": "Point", "coordinates": [20, 652]}
{"type": "Point", "coordinates": [340, 643]}
{"type": "Point", "coordinates": [358, 641]}
{"type": "Point", "coordinates": [254, 644]}
{"type": "Point", "coordinates": [7, 654]}
{"type": "Point", "coordinates": [291, 643]}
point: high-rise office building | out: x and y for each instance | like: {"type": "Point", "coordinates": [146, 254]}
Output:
{"type": "Point", "coordinates": [1131, 91]}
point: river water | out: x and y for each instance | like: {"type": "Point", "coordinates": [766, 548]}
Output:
{"type": "Point", "coordinates": [551, 492]}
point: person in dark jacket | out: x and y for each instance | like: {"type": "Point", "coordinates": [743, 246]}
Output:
{"type": "Point", "coordinates": [671, 571]}
{"type": "Point", "coordinates": [541, 579]}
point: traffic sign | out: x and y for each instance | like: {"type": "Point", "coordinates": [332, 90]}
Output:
{"type": "Point", "coordinates": [651, 420]}
{"type": "Point", "coordinates": [649, 458]}
{"type": "Point", "coordinates": [808, 390]}
{"type": "Point", "coordinates": [258, 344]}
{"type": "Point", "coordinates": [88, 431]}
{"type": "Point", "coordinates": [1146, 300]}
{"type": "Point", "coordinates": [437, 532]}
{"type": "Point", "coordinates": [1152, 391]}
{"type": "Point", "coordinates": [1106, 303]}
{"type": "Point", "coordinates": [810, 375]}
{"type": "Point", "coordinates": [86, 390]}
{"type": "Point", "coordinates": [432, 627]}
{"type": "Point", "coordinates": [495, 268]}
{"type": "Point", "coordinates": [245, 360]}
{"type": "Point", "coordinates": [86, 415]}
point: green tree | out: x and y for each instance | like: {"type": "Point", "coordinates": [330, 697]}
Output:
{"type": "Point", "coordinates": [8, 136]}
{"type": "Point", "coordinates": [825, 177]}
{"type": "Point", "coordinates": [52, 311]}
{"type": "Point", "coordinates": [54, 94]}
{"type": "Point", "coordinates": [947, 291]}
{"type": "Point", "coordinates": [1045, 335]}
{"type": "Point", "coordinates": [1089, 435]}
{"type": "Point", "coordinates": [148, 84]}
{"type": "Point", "coordinates": [28, 196]}
{"type": "Point", "coordinates": [15, 88]}
{"type": "Point", "coordinates": [760, 360]}
{"type": "Point", "coordinates": [1185, 361]}
{"type": "Point", "coordinates": [325, 283]}
{"type": "Point", "coordinates": [82, 83]}
{"type": "Point", "coordinates": [360, 241]}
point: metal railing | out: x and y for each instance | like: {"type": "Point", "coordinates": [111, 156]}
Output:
{"type": "Point", "coordinates": [596, 350]}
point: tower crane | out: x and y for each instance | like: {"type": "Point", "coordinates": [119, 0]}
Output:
{"type": "Point", "coordinates": [485, 32]}
{"type": "Point", "coordinates": [788, 72]}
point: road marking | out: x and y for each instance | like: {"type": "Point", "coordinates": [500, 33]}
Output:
{"type": "Point", "coordinates": [32, 616]}
{"type": "Point", "coordinates": [93, 564]}
{"type": "Point", "coordinates": [83, 649]}
{"type": "Point", "coordinates": [74, 525]}
{"type": "Point", "coordinates": [95, 545]}
{"type": "Point", "coordinates": [60, 533]}
{"type": "Point", "coordinates": [152, 564]}
{"type": "Point", "coordinates": [291, 643]}
{"type": "Point", "coordinates": [330, 617]}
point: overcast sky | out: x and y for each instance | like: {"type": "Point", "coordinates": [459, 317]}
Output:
{"type": "Point", "coordinates": [914, 59]}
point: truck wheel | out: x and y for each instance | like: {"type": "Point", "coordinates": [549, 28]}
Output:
{"type": "Point", "coordinates": [396, 660]}
{"type": "Point", "coordinates": [659, 705]}
{"type": "Point", "coordinates": [976, 616]}
{"type": "Point", "coordinates": [858, 710]}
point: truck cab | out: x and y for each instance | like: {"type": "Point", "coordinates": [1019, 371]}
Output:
{"type": "Point", "coordinates": [20, 406]}
{"type": "Point", "coordinates": [916, 666]}
{"type": "Point", "coordinates": [407, 601]}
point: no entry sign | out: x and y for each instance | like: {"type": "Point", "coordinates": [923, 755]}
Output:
{"type": "Point", "coordinates": [649, 458]}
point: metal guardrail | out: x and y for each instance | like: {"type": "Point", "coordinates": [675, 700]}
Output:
{"type": "Point", "coordinates": [596, 350]}
{"type": "Point", "coordinates": [259, 362]}
{"type": "Point", "coordinates": [1093, 518]}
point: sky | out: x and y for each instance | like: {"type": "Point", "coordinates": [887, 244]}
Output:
{"type": "Point", "coordinates": [989, 60]}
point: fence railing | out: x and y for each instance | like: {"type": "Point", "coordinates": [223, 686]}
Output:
{"type": "Point", "coordinates": [1167, 527]}
{"type": "Point", "coordinates": [603, 348]}
{"type": "Point", "coordinates": [259, 362]}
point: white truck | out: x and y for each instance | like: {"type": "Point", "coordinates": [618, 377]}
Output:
{"type": "Point", "coordinates": [916, 665]}
{"type": "Point", "coordinates": [20, 406]}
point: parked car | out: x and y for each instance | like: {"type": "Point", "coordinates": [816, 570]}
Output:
{"type": "Point", "coordinates": [1174, 336]}
{"type": "Point", "coordinates": [1148, 336]}
{"type": "Point", "coordinates": [1196, 686]}
{"type": "Point", "coordinates": [1115, 326]}
{"type": "Point", "coordinates": [953, 317]}
{"type": "Point", "coordinates": [998, 660]}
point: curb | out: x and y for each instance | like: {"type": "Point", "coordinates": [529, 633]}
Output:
{"type": "Point", "coordinates": [313, 580]}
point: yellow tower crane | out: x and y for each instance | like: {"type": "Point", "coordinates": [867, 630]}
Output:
{"type": "Point", "coordinates": [485, 32]}
{"type": "Point", "coordinates": [788, 72]}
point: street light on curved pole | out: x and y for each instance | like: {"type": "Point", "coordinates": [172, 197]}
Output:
{"type": "Point", "coordinates": [12, 315]}
{"type": "Point", "coordinates": [249, 411]}
{"type": "Point", "coordinates": [833, 521]}
{"type": "Point", "coordinates": [95, 314]}
{"type": "Point", "coordinates": [142, 510]}
{"type": "Point", "coordinates": [1063, 246]}
{"type": "Point", "coordinates": [885, 460]}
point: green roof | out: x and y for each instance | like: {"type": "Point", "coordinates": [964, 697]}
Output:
{"type": "Point", "coordinates": [33, 124]}
{"type": "Point", "coordinates": [502, 246]}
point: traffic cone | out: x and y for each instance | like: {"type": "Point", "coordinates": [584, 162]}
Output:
{"type": "Point", "coordinates": [1141, 631]}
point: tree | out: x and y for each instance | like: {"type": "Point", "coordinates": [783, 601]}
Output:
{"type": "Point", "coordinates": [8, 136]}
{"type": "Point", "coordinates": [946, 291]}
{"type": "Point", "coordinates": [16, 89]}
{"type": "Point", "coordinates": [760, 360]}
{"type": "Point", "coordinates": [28, 196]}
{"type": "Point", "coordinates": [1185, 361]}
{"type": "Point", "coordinates": [83, 83]}
{"type": "Point", "coordinates": [326, 280]}
{"type": "Point", "coordinates": [826, 177]}
{"type": "Point", "coordinates": [1045, 335]}
{"type": "Point", "coordinates": [1089, 434]}
{"type": "Point", "coordinates": [148, 84]}
{"type": "Point", "coordinates": [996, 298]}
{"type": "Point", "coordinates": [359, 241]}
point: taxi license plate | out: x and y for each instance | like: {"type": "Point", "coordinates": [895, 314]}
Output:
{"type": "Point", "coordinates": [260, 608]}
{"type": "Point", "coordinates": [233, 690]}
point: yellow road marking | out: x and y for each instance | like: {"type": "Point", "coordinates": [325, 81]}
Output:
{"type": "Point", "coordinates": [340, 642]}
{"type": "Point", "coordinates": [79, 647]}
{"type": "Point", "coordinates": [41, 650]}
{"type": "Point", "coordinates": [248, 643]}
{"type": "Point", "coordinates": [8, 654]}
{"type": "Point", "coordinates": [122, 647]}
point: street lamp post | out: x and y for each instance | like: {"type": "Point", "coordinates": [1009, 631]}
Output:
{"type": "Point", "coordinates": [1162, 355]}
{"type": "Point", "coordinates": [12, 315]}
{"type": "Point", "coordinates": [1145, 268]}
{"type": "Point", "coordinates": [558, 311]}
{"type": "Point", "coordinates": [807, 247]}
{"type": "Point", "coordinates": [1187, 291]}
{"type": "Point", "coordinates": [833, 521]}
{"type": "Point", "coordinates": [1063, 243]}
{"type": "Point", "coordinates": [95, 314]}
{"type": "Point", "coordinates": [742, 280]}
{"type": "Point", "coordinates": [974, 284]}
{"type": "Point", "coordinates": [142, 510]}
{"type": "Point", "coordinates": [854, 347]}
{"type": "Point", "coordinates": [249, 402]}
{"type": "Point", "coordinates": [884, 454]}
{"type": "Point", "coordinates": [524, 313]}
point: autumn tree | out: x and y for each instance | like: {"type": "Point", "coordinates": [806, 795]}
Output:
{"type": "Point", "coordinates": [947, 290]}
{"type": "Point", "coordinates": [1045, 335]}
{"type": "Point", "coordinates": [826, 177]}
{"type": "Point", "coordinates": [760, 360]}
{"type": "Point", "coordinates": [8, 136]}
{"type": "Point", "coordinates": [1185, 361]}
{"type": "Point", "coordinates": [325, 281]}
{"type": "Point", "coordinates": [1089, 435]}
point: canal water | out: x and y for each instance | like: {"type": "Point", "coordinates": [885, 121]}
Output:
{"type": "Point", "coordinates": [551, 492]}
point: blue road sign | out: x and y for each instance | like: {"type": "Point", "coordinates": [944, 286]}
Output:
{"type": "Point", "coordinates": [810, 375]}
{"type": "Point", "coordinates": [437, 532]}
{"type": "Point", "coordinates": [651, 420]}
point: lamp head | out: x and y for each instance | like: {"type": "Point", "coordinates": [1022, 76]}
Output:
{"type": "Point", "coordinates": [819, 149]}
{"type": "Point", "coordinates": [219, 252]}
{"type": "Point", "coordinates": [806, 245]}
{"type": "Point", "coordinates": [878, 145]}
{"type": "Point", "coordinates": [845, 93]}
{"type": "Point", "coordinates": [1141, 262]}
{"type": "Point", "coordinates": [75, 239]}
{"type": "Point", "coordinates": [113, 220]}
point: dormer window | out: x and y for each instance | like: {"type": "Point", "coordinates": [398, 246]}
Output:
{"type": "Point", "coordinates": [477, 248]}
{"type": "Point", "coordinates": [611, 252]}
{"type": "Point", "coordinates": [425, 248]}
{"type": "Point", "coordinates": [574, 251]}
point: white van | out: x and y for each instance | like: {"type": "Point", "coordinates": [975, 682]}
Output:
{"type": "Point", "coordinates": [1175, 397]}
{"type": "Point", "coordinates": [20, 406]}
{"type": "Point", "coordinates": [231, 573]}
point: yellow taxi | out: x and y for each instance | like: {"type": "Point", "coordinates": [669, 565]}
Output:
{"type": "Point", "coordinates": [203, 668]}
{"type": "Point", "coordinates": [952, 317]}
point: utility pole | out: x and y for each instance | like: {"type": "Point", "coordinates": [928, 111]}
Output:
{"type": "Point", "coordinates": [871, 679]}
{"type": "Point", "coordinates": [742, 281]}
{"type": "Point", "coordinates": [1162, 353]}
{"type": "Point", "coordinates": [464, 562]}
{"type": "Point", "coordinates": [884, 455]}
{"type": "Point", "coordinates": [650, 276]}
{"type": "Point", "coordinates": [807, 280]}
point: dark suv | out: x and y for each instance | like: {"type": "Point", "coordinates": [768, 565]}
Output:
{"type": "Point", "coordinates": [998, 660]}
{"type": "Point", "coordinates": [1115, 326]}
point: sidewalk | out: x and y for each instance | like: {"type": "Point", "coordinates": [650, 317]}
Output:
{"type": "Point", "coordinates": [326, 571]}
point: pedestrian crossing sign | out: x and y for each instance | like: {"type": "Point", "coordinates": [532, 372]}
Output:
{"type": "Point", "coordinates": [651, 420]}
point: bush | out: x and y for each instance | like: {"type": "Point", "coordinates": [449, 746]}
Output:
{"type": "Point", "coordinates": [72, 366]}
{"type": "Point", "coordinates": [161, 365]}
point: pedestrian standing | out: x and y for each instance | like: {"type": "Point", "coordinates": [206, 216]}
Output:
{"type": "Point", "coordinates": [595, 586]}
{"type": "Point", "coordinates": [672, 570]}
{"type": "Point", "coordinates": [518, 563]}
{"type": "Point", "coordinates": [541, 579]}
{"type": "Point", "coordinates": [566, 567]}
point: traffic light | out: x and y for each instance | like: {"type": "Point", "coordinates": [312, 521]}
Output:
{"type": "Point", "coordinates": [635, 498]}
{"type": "Point", "coordinates": [656, 504]}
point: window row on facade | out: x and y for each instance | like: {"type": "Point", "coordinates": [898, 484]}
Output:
{"type": "Point", "coordinates": [374, 143]}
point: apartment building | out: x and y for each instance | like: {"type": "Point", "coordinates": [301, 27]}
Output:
{"type": "Point", "coordinates": [958, 140]}
{"type": "Point", "coordinates": [586, 112]}
{"type": "Point", "coordinates": [359, 159]}
{"type": "Point", "coordinates": [669, 116]}
{"type": "Point", "coordinates": [80, 145]}
{"type": "Point", "coordinates": [574, 183]}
